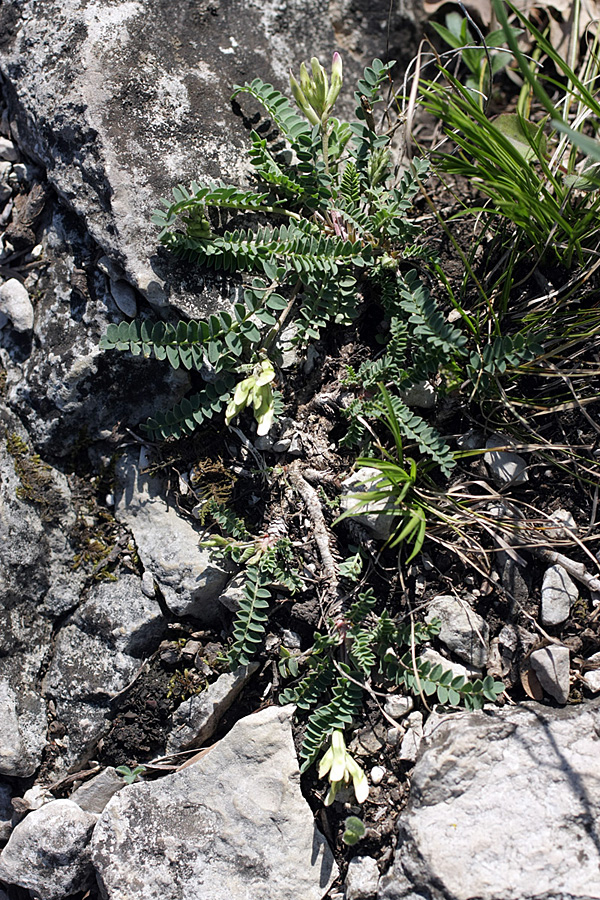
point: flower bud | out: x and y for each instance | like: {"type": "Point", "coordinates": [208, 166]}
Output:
{"type": "Point", "coordinates": [336, 79]}
{"type": "Point", "coordinates": [301, 99]}
{"type": "Point", "coordinates": [321, 85]}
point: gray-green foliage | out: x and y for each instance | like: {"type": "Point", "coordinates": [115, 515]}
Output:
{"type": "Point", "coordinates": [375, 647]}
{"type": "Point", "coordinates": [327, 220]}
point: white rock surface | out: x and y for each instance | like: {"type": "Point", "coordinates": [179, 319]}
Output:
{"type": "Point", "coordinates": [232, 826]}
{"type": "Point", "coordinates": [362, 878]}
{"type": "Point", "coordinates": [559, 593]}
{"type": "Point", "coordinates": [551, 665]}
{"type": "Point", "coordinates": [16, 305]}
{"type": "Point", "coordinates": [23, 725]}
{"type": "Point", "coordinates": [506, 468]}
{"type": "Point", "coordinates": [48, 852]}
{"type": "Point", "coordinates": [196, 719]}
{"type": "Point", "coordinates": [167, 543]}
{"type": "Point", "coordinates": [463, 631]}
{"type": "Point", "coordinates": [503, 806]}
{"type": "Point", "coordinates": [381, 524]}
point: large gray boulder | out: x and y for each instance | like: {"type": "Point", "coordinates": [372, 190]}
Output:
{"type": "Point", "coordinates": [121, 102]}
{"type": "Point", "coordinates": [48, 852]}
{"type": "Point", "coordinates": [231, 826]}
{"type": "Point", "coordinates": [503, 806]}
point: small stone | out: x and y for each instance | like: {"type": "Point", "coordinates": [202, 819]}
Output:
{"type": "Point", "coordinates": [506, 468]}
{"type": "Point", "coordinates": [559, 593]}
{"type": "Point", "coordinates": [421, 395]}
{"type": "Point", "coordinates": [282, 445]}
{"type": "Point", "coordinates": [20, 171]}
{"type": "Point", "coordinates": [377, 775]}
{"type": "Point", "coordinates": [372, 516]}
{"type": "Point", "coordinates": [15, 303]}
{"type": "Point", "coordinates": [35, 253]}
{"type": "Point", "coordinates": [393, 736]}
{"type": "Point", "coordinates": [291, 639]}
{"type": "Point", "coordinates": [551, 665]}
{"type": "Point", "coordinates": [36, 797]}
{"type": "Point", "coordinates": [312, 357]}
{"type": "Point", "coordinates": [196, 719]}
{"type": "Point", "coordinates": [413, 737]}
{"type": "Point", "coordinates": [463, 630]}
{"type": "Point", "coordinates": [8, 151]}
{"type": "Point", "coordinates": [362, 878]}
{"type": "Point", "coordinates": [264, 443]}
{"type": "Point", "coordinates": [397, 706]}
{"type": "Point", "coordinates": [230, 598]}
{"type": "Point", "coordinates": [592, 677]}
{"type": "Point", "coordinates": [7, 211]}
{"type": "Point", "coordinates": [148, 586]}
{"type": "Point", "coordinates": [5, 193]}
{"type": "Point", "coordinates": [124, 296]}
{"type": "Point", "coordinates": [565, 527]}
{"type": "Point", "coordinates": [95, 793]}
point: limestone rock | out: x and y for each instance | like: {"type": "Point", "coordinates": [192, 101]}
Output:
{"type": "Point", "coordinates": [464, 632]}
{"type": "Point", "coordinates": [411, 742]}
{"type": "Point", "coordinates": [23, 727]}
{"type": "Point", "coordinates": [16, 305]}
{"type": "Point", "coordinates": [61, 383]}
{"type": "Point", "coordinates": [362, 878]}
{"type": "Point", "coordinates": [97, 652]}
{"type": "Point", "coordinates": [231, 826]}
{"type": "Point", "coordinates": [196, 719]}
{"type": "Point", "coordinates": [432, 656]}
{"type": "Point", "coordinates": [8, 151]}
{"type": "Point", "coordinates": [188, 576]}
{"type": "Point", "coordinates": [551, 665]}
{"type": "Point", "coordinates": [379, 523]}
{"type": "Point", "coordinates": [499, 800]}
{"type": "Point", "coordinates": [95, 793]}
{"type": "Point", "coordinates": [565, 525]}
{"type": "Point", "coordinates": [48, 852]}
{"type": "Point", "coordinates": [592, 677]}
{"type": "Point", "coordinates": [398, 706]}
{"type": "Point", "coordinates": [506, 468]}
{"type": "Point", "coordinates": [121, 103]}
{"type": "Point", "coordinates": [559, 592]}
{"type": "Point", "coordinates": [124, 297]}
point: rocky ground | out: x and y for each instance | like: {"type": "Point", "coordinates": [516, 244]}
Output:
{"type": "Point", "coordinates": [114, 621]}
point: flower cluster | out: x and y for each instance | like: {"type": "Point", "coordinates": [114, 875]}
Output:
{"type": "Point", "coordinates": [315, 96]}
